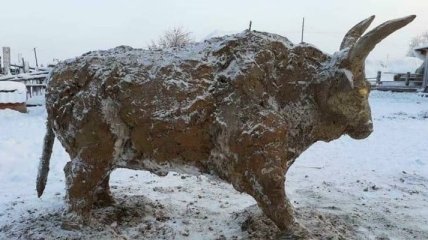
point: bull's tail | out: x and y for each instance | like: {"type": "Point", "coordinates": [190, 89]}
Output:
{"type": "Point", "coordinates": [42, 175]}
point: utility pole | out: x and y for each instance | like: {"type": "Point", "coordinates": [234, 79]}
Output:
{"type": "Point", "coordinates": [303, 28]}
{"type": "Point", "coordinates": [35, 56]}
{"type": "Point", "coordinates": [249, 27]}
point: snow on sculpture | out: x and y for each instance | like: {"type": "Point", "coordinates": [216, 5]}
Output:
{"type": "Point", "coordinates": [242, 107]}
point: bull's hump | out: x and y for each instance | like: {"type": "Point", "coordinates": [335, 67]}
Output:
{"type": "Point", "coordinates": [204, 52]}
{"type": "Point", "coordinates": [195, 66]}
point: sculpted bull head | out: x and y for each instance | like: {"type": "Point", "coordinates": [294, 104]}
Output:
{"type": "Point", "coordinates": [242, 107]}
{"type": "Point", "coordinates": [346, 101]}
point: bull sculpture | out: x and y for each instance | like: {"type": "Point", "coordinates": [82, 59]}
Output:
{"type": "Point", "coordinates": [242, 107]}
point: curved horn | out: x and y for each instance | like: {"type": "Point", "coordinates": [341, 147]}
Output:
{"type": "Point", "coordinates": [355, 33]}
{"type": "Point", "coordinates": [365, 44]}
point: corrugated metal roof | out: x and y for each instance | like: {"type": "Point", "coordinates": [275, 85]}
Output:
{"type": "Point", "coordinates": [12, 92]}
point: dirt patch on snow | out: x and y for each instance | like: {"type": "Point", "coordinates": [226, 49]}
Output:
{"type": "Point", "coordinates": [188, 207]}
{"type": "Point", "coordinates": [137, 217]}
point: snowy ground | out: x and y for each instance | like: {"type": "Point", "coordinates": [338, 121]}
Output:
{"type": "Point", "coordinates": [375, 188]}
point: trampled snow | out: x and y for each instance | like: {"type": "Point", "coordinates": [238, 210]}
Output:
{"type": "Point", "coordinates": [375, 188]}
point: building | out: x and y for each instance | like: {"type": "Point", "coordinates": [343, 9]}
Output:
{"type": "Point", "coordinates": [13, 95]}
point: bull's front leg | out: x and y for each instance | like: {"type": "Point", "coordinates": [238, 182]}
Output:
{"type": "Point", "coordinates": [261, 164]}
{"type": "Point", "coordinates": [268, 190]}
{"type": "Point", "coordinates": [266, 185]}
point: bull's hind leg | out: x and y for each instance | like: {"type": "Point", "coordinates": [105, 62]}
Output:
{"type": "Point", "coordinates": [102, 195]}
{"type": "Point", "coordinates": [92, 161]}
{"type": "Point", "coordinates": [84, 183]}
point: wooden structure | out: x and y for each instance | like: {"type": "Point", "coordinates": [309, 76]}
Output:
{"type": "Point", "coordinates": [13, 96]}
{"type": "Point", "coordinates": [424, 52]}
{"type": "Point", "coordinates": [35, 83]}
{"type": "Point", "coordinates": [403, 82]}
{"type": "Point", "coordinates": [34, 79]}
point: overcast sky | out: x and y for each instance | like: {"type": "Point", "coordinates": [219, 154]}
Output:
{"type": "Point", "coordinates": [67, 28]}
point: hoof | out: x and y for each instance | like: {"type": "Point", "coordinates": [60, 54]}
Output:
{"type": "Point", "coordinates": [295, 232]}
{"type": "Point", "coordinates": [73, 216]}
{"type": "Point", "coordinates": [72, 221]}
{"type": "Point", "coordinates": [103, 199]}
{"type": "Point", "coordinates": [70, 225]}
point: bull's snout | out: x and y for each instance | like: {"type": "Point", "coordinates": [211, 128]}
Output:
{"type": "Point", "coordinates": [360, 131]}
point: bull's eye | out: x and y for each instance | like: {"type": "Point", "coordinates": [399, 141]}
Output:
{"type": "Point", "coordinates": [363, 92]}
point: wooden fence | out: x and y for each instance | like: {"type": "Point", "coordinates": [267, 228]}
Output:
{"type": "Point", "coordinates": [35, 82]}
{"type": "Point", "coordinates": [402, 82]}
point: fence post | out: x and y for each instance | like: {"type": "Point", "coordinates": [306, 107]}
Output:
{"type": "Point", "coordinates": [407, 78]}
{"type": "Point", "coordinates": [6, 60]}
{"type": "Point", "coordinates": [26, 67]}
{"type": "Point", "coordinates": [378, 77]}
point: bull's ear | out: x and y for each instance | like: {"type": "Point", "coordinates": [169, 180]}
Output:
{"type": "Point", "coordinates": [365, 44]}
{"type": "Point", "coordinates": [355, 33]}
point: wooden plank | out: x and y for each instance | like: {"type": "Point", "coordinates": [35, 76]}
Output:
{"type": "Point", "coordinates": [14, 78]}
{"type": "Point", "coordinates": [395, 88]}
{"type": "Point", "coordinates": [35, 85]}
{"type": "Point", "coordinates": [407, 78]}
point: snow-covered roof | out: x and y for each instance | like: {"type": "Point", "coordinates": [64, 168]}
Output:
{"type": "Point", "coordinates": [12, 92]}
{"type": "Point", "coordinates": [421, 48]}
{"type": "Point", "coordinates": [421, 51]}
{"type": "Point", "coordinates": [23, 76]}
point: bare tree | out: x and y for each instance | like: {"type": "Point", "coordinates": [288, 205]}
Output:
{"type": "Point", "coordinates": [418, 41]}
{"type": "Point", "coordinates": [176, 37]}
